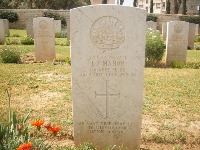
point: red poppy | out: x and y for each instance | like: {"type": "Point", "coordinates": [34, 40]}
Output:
{"type": "Point", "coordinates": [54, 129]}
{"type": "Point", "coordinates": [38, 123]}
{"type": "Point", "coordinates": [25, 146]}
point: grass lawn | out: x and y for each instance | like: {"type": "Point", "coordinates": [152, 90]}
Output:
{"type": "Point", "coordinates": [171, 106]}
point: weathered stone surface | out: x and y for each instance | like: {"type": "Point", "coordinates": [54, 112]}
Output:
{"type": "Point", "coordinates": [107, 56]}
{"type": "Point", "coordinates": [151, 25]}
{"type": "Point", "coordinates": [177, 41]}
{"type": "Point", "coordinates": [57, 26]}
{"type": "Point", "coordinates": [94, 2]}
{"type": "Point", "coordinates": [6, 26]}
{"type": "Point", "coordinates": [197, 29]}
{"type": "Point", "coordinates": [29, 28]}
{"type": "Point", "coordinates": [164, 30]}
{"type": "Point", "coordinates": [44, 38]}
{"type": "Point", "coordinates": [2, 32]}
{"type": "Point", "coordinates": [191, 35]}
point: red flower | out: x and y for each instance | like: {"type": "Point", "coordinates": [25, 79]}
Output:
{"type": "Point", "coordinates": [38, 123]}
{"type": "Point", "coordinates": [54, 129]}
{"type": "Point", "coordinates": [25, 146]}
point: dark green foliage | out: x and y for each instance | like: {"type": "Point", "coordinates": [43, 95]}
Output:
{"type": "Point", "coordinates": [104, 1]}
{"type": "Point", "coordinates": [190, 19]}
{"type": "Point", "coordinates": [151, 17]}
{"type": "Point", "coordinates": [197, 39]}
{"type": "Point", "coordinates": [177, 64]}
{"type": "Point", "coordinates": [27, 41]}
{"type": "Point", "coordinates": [184, 11]}
{"type": "Point", "coordinates": [135, 3]}
{"type": "Point", "coordinates": [168, 7]}
{"type": "Point", "coordinates": [155, 48]}
{"type": "Point", "coordinates": [56, 16]}
{"type": "Point", "coordinates": [9, 56]}
{"type": "Point", "coordinates": [11, 16]}
{"type": "Point", "coordinates": [151, 6]}
{"type": "Point", "coordinates": [121, 2]}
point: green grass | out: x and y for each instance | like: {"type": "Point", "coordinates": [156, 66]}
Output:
{"type": "Point", "coordinates": [171, 104]}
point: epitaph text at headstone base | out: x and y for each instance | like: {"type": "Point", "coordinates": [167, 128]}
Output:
{"type": "Point", "coordinates": [177, 41]}
{"type": "Point", "coordinates": [2, 32]}
{"type": "Point", "coordinates": [191, 35]}
{"type": "Point", "coordinates": [164, 30]}
{"type": "Point", "coordinates": [29, 28]}
{"type": "Point", "coordinates": [57, 26]}
{"type": "Point", "coordinates": [6, 24]}
{"type": "Point", "coordinates": [107, 56]}
{"type": "Point", "coordinates": [44, 38]}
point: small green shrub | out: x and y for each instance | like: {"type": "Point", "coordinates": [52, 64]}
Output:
{"type": "Point", "coordinates": [197, 46]}
{"type": "Point", "coordinates": [11, 16]}
{"type": "Point", "coordinates": [190, 19]}
{"type": "Point", "coordinates": [155, 48]}
{"type": "Point", "coordinates": [12, 41]}
{"type": "Point", "coordinates": [56, 16]}
{"type": "Point", "coordinates": [62, 34]}
{"type": "Point", "coordinates": [68, 60]}
{"type": "Point", "coordinates": [197, 39]}
{"type": "Point", "coordinates": [151, 17]}
{"type": "Point", "coordinates": [16, 35]}
{"type": "Point", "coordinates": [27, 41]}
{"type": "Point", "coordinates": [177, 64]}
{"type": "Point", "coordinates": [193, 65]}
{"type": "Point", "coordinates": [9, 56]}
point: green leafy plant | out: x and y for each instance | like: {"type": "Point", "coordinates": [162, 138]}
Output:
{"type": "Point", "coordinates": [10, 56]}
{"type": "Point", "coordinates": [151, 17]}
{"type": "Point", "coordinates": [177, 64]}
{"type": "Point", "coordinates": [11, 16]}
{"type": "Point", "coordinates": [27, 41]}
{"type": "Point", "coordinates": [197, 46]}
{"type": "Point", "coordinates": [56, 16]}
{"type": "Point", "coordinates": [155, 48]}
{"type": "Point", "coordinates": [12, 41]}
{"type": "Point", "coordinates": [62, 34]}
{"type": "Point", "coordinates": [68, 60]}
{"type": "Point", "coordinates": [16, 35]}
{"type": "Point", "coordinates": [190, 19]}
{"type": "Point", "coordinates": [197, 39]}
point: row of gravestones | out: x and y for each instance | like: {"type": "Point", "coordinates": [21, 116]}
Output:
{"type": "Point", "coordinates": [193, 31]}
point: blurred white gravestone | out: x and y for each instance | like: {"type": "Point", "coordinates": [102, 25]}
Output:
{"type": "Point", "coordinates": [191, 35]}
{"type": "Point", "coordinates": [107, 56]}
{"type": "Point", "coordinates": [57, 26]}
{"type": "Point", "coordinates": [29, 28]}
{"type": "Point", "coordinates": [6, 24]}
{"type": "Point", "coordinates": [44, 39]}
{"type": "Point", "coordinates": [177, 41]}
{"type": "Point", "coordinates": [2, 32]}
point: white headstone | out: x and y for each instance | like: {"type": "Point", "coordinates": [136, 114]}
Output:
{"type": "Point", "coordinates": [6, 24]}
{"type": "Point", "coordinates": [164, 30]}
{"type": "Point", "coordinates": [197, 29]}
{"type": "Point", "coordinates": [151, 25]}
{"type": "Point", "coordinates": [177, 41]}
{"type": "Point", "coordinates": [94, 2]}
{"type": "Point", "coordinates": [191, 35]}
{"type": "Point", "coordinates": [44, 39]}
{"type": "Point", "coordinates": [107, 56]}
{"type": "Point", "coordinates": [29, 28]}
{"type": "Point", "coordinates": [57, 26]}
{"type": "Point", "coordinates": [2, 32]}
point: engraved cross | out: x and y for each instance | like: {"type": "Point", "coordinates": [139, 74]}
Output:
{"type": "Point", "coordinates": [107, 95]}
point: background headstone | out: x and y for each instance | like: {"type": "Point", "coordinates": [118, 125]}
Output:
{"type": "Point", "coordinates": [44, 39]}
{"type": "Point", "coordinates": [2, 32]}
{"type": "Point", "coordinates": [57, 26]}
{"type": "Point", "coordinates": [93, 2]}
{"type": "Point", "coordinates": [197, 29]}
{"type": "Point", "coordinates": [29, 28]}
{"type": "Point", "coordinates": [107, 56]}
{"type": "Point", "coordinates": [164, 30]}
{"type": "Point", "coordinates": [191, 35]}
{"type": "Point", "coordinates": [151, 25]}
{"type": "Point", "coordinates": [177, 41]}
{"type": "Point", "coordinates": [68, 29]}
{"type": "Point", "coordinates": [6, 24]}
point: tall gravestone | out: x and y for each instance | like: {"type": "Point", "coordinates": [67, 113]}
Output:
{"type": "Point", "coordinates": [2, 32]}
{"type": "Point", "coordinates": [164, 30]}
{"type": "Point", "coordinates": [191, 35]}
{"type": "Point", "coordinates": [57, 26]}
{"type": "Point", "coordinates": [6, 26]}
{"type": "Point", "coordinates": [107, 56]}
{"type": "Point", "coordinates": [44, 39]}
{"type": "Point", "coordinates": [151, 25]}
{"type": "Point", "coordinates": [177, 41]}
{"type": "Point", "coordinates": [29, 28]}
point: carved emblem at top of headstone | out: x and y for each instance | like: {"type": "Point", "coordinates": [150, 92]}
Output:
{"type": "Point", "coordinates": [43, 25]}
{"type": "Point", "coordinates": [107, 33]}
{"type": "Point", "coordinates": [178, 28]}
